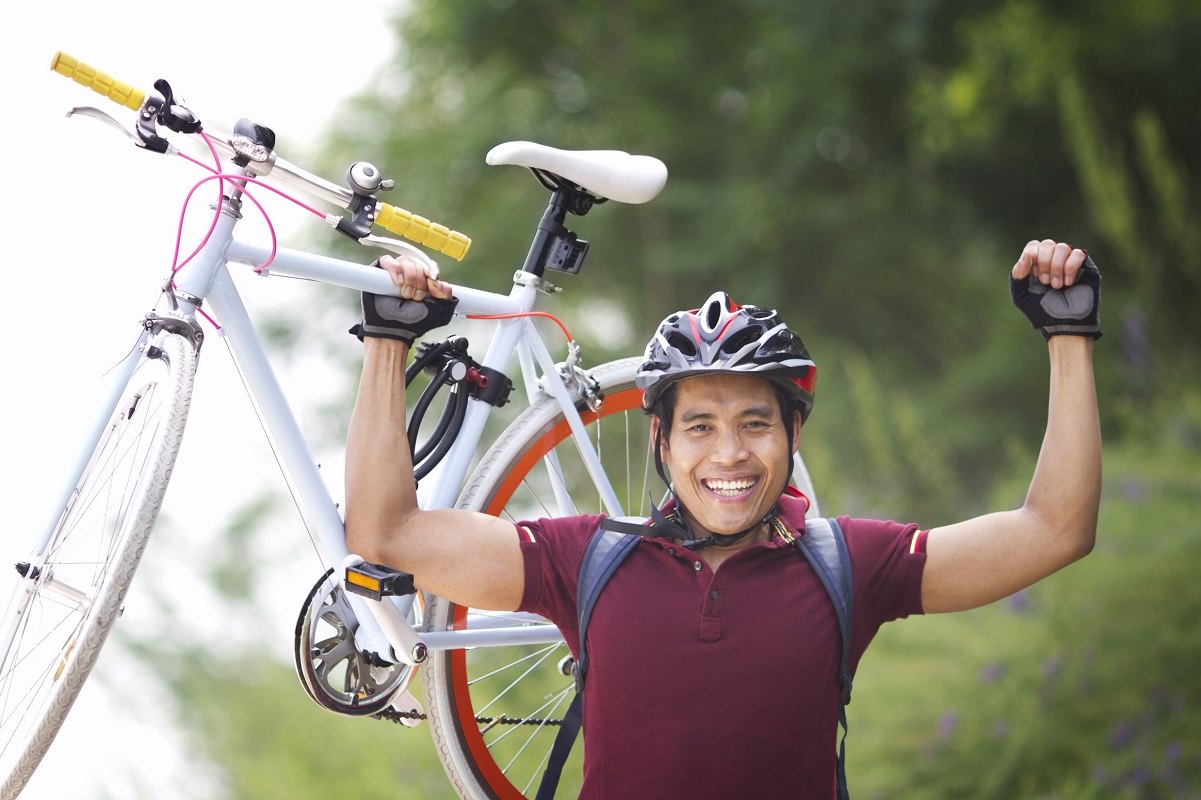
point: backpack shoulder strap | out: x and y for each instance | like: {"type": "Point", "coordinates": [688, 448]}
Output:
{"type": "Point", "coordinates": [608, 547]}
{"type": "Point", "coordinates": [825, 548]}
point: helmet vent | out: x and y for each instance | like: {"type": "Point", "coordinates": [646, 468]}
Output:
{"type": "Point", "coordinates": [739, 340]}
{"type": "Point", "coordinates": [713, 311]}
{"type": "Point", "coordinates": [783, 342]}
{"type": "Point", "coordinates": [766, 315]}
{"type": "Point", "coordinates": [682, 343]}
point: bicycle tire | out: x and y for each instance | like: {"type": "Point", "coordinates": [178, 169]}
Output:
{"type": "Point", "coordinates": [479, 762]}
{"type": "Point", "coordinates": [94, 550]}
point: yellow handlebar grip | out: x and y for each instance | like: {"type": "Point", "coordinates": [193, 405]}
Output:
{"type": "Point", "coordinates": [97, 81]}
{"type": "Point", "coordinates": [421, 230]}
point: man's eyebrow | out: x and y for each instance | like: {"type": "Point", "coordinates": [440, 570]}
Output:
{"type": "Point", "coordinates": [759, 410]}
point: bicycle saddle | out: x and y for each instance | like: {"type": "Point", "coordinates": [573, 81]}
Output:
{"type": "Point", "coordinates": [612, 174]}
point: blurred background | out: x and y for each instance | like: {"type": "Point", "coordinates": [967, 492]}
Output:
{"type": "Point", "coordinates": [873, 171]}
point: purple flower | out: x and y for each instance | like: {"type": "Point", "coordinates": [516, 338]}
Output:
{"type": "Point", "coordinates": [992, 673]}
{"type": "Point", "coordinates": [946, 724]}
{"type": "Point", "coordinates": [1019, 602]}
{"type": "Point", "coordinates": [1120, 736]}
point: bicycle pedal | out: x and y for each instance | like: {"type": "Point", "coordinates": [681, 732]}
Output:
{"type": "Point", "coordinates": [378, 581]}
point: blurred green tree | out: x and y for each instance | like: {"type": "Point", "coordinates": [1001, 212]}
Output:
{"type": "Point", "coordinates": [873, 171]}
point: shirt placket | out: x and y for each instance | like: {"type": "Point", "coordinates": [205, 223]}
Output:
{"type": "Point", "coordinates": [711, 605]}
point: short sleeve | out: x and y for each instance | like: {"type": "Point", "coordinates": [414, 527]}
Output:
{"type": "Point", "coordinates": [551, 552]}
{"type": "Point", "coordinates": [887, 562]}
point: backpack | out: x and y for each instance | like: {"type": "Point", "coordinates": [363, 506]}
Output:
{"type": "Point", "coordinates": [823, 546]}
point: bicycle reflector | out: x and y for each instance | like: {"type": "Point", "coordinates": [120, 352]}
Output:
{"type": "Point", "coordinates": [377, 581]}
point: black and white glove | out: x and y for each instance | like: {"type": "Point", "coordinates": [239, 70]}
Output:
{"type": "Point", "coordinates": [388, 316]}
{"type": "Point", "coordinates": [1073, 310]}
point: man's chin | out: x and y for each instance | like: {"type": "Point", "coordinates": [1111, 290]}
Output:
{"type": "Point", "coordinates": [728, 528]}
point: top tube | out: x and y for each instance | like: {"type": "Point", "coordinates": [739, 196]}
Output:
{"type": "Point", "coordinates": [352, 275]}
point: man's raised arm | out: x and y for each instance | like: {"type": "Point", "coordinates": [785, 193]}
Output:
{"type": "Point", "coordinates": [972, 563]}
{"type": "Point", "coordinates": [473, 559]}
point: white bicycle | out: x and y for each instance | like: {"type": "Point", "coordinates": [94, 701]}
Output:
{"type": "Point", "coordinates": [493, 684]}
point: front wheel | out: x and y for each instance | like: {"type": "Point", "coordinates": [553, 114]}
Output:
{"type": "Point", "coordinates": [71, 591]}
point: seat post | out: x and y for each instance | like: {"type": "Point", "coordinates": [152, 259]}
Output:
{"type": "Point", "coordinates": [551, 231]}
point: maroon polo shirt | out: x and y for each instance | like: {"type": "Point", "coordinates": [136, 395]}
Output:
{"type": "Point", "coordinates": [723, 684]}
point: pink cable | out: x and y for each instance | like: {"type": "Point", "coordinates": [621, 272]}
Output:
{"type": "Point", "coordinates": [221, 178]}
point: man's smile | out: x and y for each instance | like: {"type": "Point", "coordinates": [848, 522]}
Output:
{"type": "Point", "coordinates": [729, 488]}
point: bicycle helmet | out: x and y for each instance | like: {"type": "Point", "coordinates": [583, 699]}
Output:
{"type": "Point", "coordinates": [722, 336]}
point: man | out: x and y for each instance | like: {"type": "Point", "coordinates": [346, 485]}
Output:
{"type": "Point", "coordinates": [715, 707]}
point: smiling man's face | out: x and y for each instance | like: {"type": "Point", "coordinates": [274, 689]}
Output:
{"type": "Point", "coordinates": [727, 452]}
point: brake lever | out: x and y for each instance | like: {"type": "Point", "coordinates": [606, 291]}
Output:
{"type": "Point", "coordinates": [399, 248]}
{"type": "Point", "coordinates": [103, 116]}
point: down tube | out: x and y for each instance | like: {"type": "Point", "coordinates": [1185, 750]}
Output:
{"type": "Point", "coordinates": [287, 440]}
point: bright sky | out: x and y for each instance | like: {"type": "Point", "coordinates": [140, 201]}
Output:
{"type": "Point", "coordinates": [66, 309]}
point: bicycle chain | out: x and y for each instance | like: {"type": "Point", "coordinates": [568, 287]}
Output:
{"type": "Point", "coordinates": [392, 715]}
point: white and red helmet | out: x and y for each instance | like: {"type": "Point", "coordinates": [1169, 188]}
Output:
{"type": "Point", "coordinates": [722, 336]}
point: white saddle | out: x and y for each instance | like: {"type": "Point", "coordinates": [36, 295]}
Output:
{"type": "Point", "coordinates": [612, 174]}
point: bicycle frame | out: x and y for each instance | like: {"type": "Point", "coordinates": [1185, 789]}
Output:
{"type": "Point", "coordinates": [207, 280]}
{"type": "Point", "coordinates": [441, 489]}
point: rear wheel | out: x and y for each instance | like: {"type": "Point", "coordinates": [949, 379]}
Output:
{"type": "Point", "coordinates": [495, 711]}
{"type": "Point", "coordinates": [70, 594]}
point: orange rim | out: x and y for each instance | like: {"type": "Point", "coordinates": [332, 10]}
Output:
{"type": "Point", "coordinates": [486, 768]}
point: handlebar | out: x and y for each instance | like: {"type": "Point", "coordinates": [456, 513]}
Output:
{"type": "Point", "coordinates": [391, 218]}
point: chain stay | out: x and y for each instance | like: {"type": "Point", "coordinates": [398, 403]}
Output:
{"type": "Point", "coordinates": [392, 715]}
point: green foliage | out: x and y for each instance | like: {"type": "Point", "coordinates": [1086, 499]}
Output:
{"type": "Point", "coordinates": [1082, 121]}
{"type": "Point", "coordinates": [252, 718]}
{"type": "Point", "coordinates": [1083, 686]}
{"type": "Point", "coordinates": [872, 172]}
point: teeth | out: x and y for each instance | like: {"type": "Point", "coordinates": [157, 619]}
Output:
{"type": "Point", "coordinates": [729, 487]}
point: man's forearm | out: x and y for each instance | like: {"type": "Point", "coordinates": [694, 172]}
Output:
{"type": "Point", "coordinates": [380, 491]}
{"type": "Point", "coordinates": [1066, 489]}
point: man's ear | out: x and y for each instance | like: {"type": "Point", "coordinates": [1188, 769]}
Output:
{"type": "Point", "coordinates": [656, 427]}
{"type": "Point", "coordinates": [796, 429]}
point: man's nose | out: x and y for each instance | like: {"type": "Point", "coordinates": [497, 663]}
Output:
{"type": "Point", "coordinates": [729, 448]}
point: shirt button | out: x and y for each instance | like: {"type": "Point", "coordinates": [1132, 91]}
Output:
{"type": "Point", "coordinates": [696, 565]}
{"type": "Point", "coordinates": [712, 594]}
{"type": "Point", "coordinates": [671, 551]}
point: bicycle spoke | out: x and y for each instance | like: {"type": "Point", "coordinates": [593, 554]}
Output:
{"type": "Point", "coordinates": [544, 654]}
{"type": "Point", "coordinates": [554, 704]}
